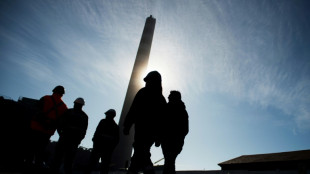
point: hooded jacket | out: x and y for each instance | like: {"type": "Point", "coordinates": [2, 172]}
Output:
{"type": "Point", "coordinates": [145, 112]}
{"type": "Point", "coordinates": [175, 122]}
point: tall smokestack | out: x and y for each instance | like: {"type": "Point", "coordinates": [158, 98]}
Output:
{"type": "Point", "coordinates": [122, 153]}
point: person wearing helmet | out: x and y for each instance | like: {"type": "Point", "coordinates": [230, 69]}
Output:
{"type": "Point", "coordinates": [72, 129]}
{"type": "Point", "coordinates": [43, 125]}
{"type": "Point", "coordinates": [145, 111]}
{"type": "Point", "coordinates": [105, 139]}
{"type": "Point", "coordinates": [60, 90]}
{"type": "Point", "coordinates": [173, 131]}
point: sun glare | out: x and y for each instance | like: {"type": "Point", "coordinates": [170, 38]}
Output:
{"type": "Point", "coordinates": [166, 57]}
{"type": "Point", "coordinates": [164, 66]}
{"type": "Point", "coordinates": [141, 77]}
{"type": "Point", "coordinates": [168, 77]}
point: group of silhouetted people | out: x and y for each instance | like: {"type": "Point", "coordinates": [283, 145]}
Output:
{"type": "Point", "coordinates": [155, 120]}
{"type": "Point", "coordinates": [71, 125]}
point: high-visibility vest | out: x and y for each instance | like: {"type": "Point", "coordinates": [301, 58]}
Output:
{"type": "Point", "coordinates": [46, 121]}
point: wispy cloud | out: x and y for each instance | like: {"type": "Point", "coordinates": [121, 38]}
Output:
{"type": "Point", "coordinates": [86, 41]}
{"type": "Point", "coordinates": [249, 60]}
{"type": "Point", "coordinates": [201, 47]}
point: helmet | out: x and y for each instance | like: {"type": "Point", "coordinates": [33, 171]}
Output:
{"type": "Point", "coordinates": [59, 90]}
{"type": "Point", "coordinates": [111, 112]}
{"type": "Point", "coordinates": [80, 101]}
{"type": "Point", "coordinates": [175, 95]}
{"type": "Point", "coordinates": [152, 76]}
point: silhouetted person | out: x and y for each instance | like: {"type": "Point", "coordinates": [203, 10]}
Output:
{"type": "Point", "coordinates": [174, 129]}
{"type": "Point", "coordinates": [43, 125]}
{"type": "Point", "coordinates": [105, 139]}
{"type": "Point", "coordinates": [71, 130]}
{"type": "Point", "coordinates": [145, 111]}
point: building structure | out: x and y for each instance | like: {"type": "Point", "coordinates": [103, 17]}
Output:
{"type": "Point", "coordinates": [14, 131]}
{"type": "Point", "coordinates": [294, 161]}
{"type": "Point", "coordinates": [122, 153]}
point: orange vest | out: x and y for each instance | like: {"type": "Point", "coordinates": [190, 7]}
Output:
{"type": "Point", "coordinates": [46, 121]}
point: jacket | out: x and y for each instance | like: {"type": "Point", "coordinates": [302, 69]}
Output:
{"type": "Point", "coordinates": [107, 132]}
{"type": "Point", "coordinates": [145, 111]}
{"type": "Point", "coordinates": [73, 125]}
{"type": "Point", "coordinates": [175, 121]}
{"type": "Point", "coordinates": [51, 109]}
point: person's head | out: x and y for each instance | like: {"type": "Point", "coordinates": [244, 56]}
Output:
{"type": "Point", "coordinates": [110, 114]}
{"type": "Point", "coordinates": [79, 103]}
{"type": "Point", "coordinates": [59, 90]}
{"type": "Point", "coordinates": [174, 96]}
{"type": "Point", "coordinates": [153, 79]}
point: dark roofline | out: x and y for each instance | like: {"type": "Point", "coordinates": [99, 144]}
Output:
{"type": "Point", "coordinates": [285, 160]}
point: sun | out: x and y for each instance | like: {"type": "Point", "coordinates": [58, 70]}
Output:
{"type": "Point", "coordinates": [167, 70]}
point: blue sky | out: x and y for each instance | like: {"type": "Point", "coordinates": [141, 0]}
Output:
{"type": "Point", "coordinates": [243, 67]}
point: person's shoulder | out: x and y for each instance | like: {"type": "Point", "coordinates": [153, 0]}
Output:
{"type": "Point", "coordinates": [85, 117]}
{"type": "Point", "coordinates": [102, 121]}
{"type": "Point", "coordinates": [142, 90]}
{"type": "Point", "coordinates": [180, 105]}
{"type": "Point", "coordinates": [114, 122]}
{"type": "Point", "coordinates": [64, 104]}
{"type": "Point", "coordinates": [84, 114]}
{"type": "Point", "coordinates": [69, 111]}
{"type": "Point", "coordinates": [115, 126]}
{"type": "Point", "coordinates": [45, 97]}
{"type": "Point", "coordinates": [163, 99]}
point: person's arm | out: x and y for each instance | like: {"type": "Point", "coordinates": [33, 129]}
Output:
{"type": "Point", "coordinates": [185, 123]}
{"type": "Point", "coordinates": [62, 121]}
{"type": "Point", "coordinates": [161, 119]}
{"type": "Point", "coordinates": [131, 115]}
{"type": "Point", "coordinates": [84, 127]}
{"type": "Point", "coordinates": [98, 130]}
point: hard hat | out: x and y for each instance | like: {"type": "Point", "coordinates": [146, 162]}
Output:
{"type": "Point", "coordinates": [80, 101]}
{"type": "Point", "coordinates": [59, 89]}
{"type": "Point", "coordinates": [152, 76]}
{"type": "Point", "coordinates": [111, 112]}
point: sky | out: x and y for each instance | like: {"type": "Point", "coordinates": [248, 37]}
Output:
{"type": "Point", "coordinates": [243, 67]}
